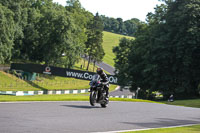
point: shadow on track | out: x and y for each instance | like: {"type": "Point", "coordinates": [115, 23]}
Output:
{"type": "Point", "coordinates": [164, 122]}
{"type": "Point", "coordinates": [80, 106]}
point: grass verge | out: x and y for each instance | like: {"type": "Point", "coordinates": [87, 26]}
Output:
{"type": "Point", "coordinates": [187, 103]}
{"type": "Point", "coordinates": [66, 97]}
{"type": "Point", "coordinates": [132, 100]}
{"type": "Point", "coordinates": [187, 129]}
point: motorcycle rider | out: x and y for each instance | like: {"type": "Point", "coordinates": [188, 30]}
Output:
{"type": "Point", "coordinates": [104, 80]}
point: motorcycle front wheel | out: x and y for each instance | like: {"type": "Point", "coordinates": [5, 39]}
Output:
{"type": "Point", "coordinates": [93, 98]}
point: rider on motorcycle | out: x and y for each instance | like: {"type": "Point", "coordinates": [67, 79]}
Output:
{"type": "Point", "coordinates": [104, 80]}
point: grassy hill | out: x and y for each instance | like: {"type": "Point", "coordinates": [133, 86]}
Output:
{"type": "Point", "coordinates": [111, 40]}
{"type": "Point", "coordinates": [9, 82]}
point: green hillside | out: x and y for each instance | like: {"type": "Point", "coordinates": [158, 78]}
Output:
{"type": "Point", "coordinates": [9, 82]}
{"type": "Point", "coordinates": [111, 40]}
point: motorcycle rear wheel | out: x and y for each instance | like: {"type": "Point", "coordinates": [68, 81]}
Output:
{"type": "Point", "coordinates": [104, 104]}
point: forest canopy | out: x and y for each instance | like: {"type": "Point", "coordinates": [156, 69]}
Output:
{"type": "Point", "coordinates": [165, 56]}
{"type": "Point", "coordinates": [42, 31]}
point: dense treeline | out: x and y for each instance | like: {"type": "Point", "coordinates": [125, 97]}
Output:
{"type": "Point", "coordinates": [165, 56]}
{"type": "Point", "coordinates": [128, 27]}
{"type": "Point", "coordinates": [45, 32]}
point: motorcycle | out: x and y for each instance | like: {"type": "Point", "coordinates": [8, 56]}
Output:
{"type": "Point", "coordinates": [97, 92]}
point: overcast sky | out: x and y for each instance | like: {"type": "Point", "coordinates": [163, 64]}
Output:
{"type": "Point", "coordinates": [125, 9]}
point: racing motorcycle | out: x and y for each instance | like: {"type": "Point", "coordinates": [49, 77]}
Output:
{"type": "Point", "coordinates": [97, 92]}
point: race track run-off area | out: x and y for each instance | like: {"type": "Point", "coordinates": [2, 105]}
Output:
{"type": "Point", "coordinates": [80, 117]}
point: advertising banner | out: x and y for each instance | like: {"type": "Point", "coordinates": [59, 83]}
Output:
{"type": "Point", "coordinates": [57, 71]}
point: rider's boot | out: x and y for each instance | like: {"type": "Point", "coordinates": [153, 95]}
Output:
{"type": "Point", "coordinates": [107, 95]}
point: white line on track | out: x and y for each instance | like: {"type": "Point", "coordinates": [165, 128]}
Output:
{"type": "Point", "coordinates": [146, 129]}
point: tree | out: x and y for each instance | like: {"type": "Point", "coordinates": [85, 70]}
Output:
{"type": "Point", "coordinates": [7, 34]}
{"type": "Point", "coordinates": [56, 28]}
{"type": "Point", "coordinates": [47, 32]}
{"type": "Point", "coordinates": [114, 25]}
{"type": "Point", "coordinates": [128, 27]}
{"type": "Point", "coordinates": [131, 26]}
{"type": "Point", "coordinates": [182, 20]}
{"type": "Point", "coordinates": [95, 38]}
{"type": "Point", "coordinates": [29, 50]}
{"type": "Point", "coordinates": [106, 23]}
{"type": "Point", "coordinates": [121, 29]}
{"type": "Point", "coordinates": [121, 60]}
{"type": "Point", "coordinates": [164, 55]}
{"type": "Point", "coordinates": [81, 19]}
{"type": "Point", "coordinates": [20, 11]}
{"type": "Point", "coordinates": [42, 25]}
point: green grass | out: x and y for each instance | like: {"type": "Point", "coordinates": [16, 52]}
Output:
{"type": "Point", "coordinates": [78, 65]}
{"type": "Point", "coordinates": [187, 129]}
{"type": "Point", "coordinates": [63, 97]}
{"type": "Point", "coordinates": [132, 100]}
{"type": "Point", "coordinates": [111, 40]}
{"type": "Point", "coordinates": [68, 97]}
{"type": "Point", "coordinates": [187, 103]}
{"type": "Point", "coordinates": [8, 82]}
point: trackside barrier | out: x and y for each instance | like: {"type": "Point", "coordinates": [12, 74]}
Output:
{"type": "Point", "coordinates": [57, 71]}
{"type": "Point", "coordinates": [58, 92]}
{"type": "Point", "coordinates": [49, 92]}
{"type": "Point", "coordinates": [124, 96]}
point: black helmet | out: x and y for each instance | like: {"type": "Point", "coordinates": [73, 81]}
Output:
{"type": "Point", "coordinates": [99, 70]}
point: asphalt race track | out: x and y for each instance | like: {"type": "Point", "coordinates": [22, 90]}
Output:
{"type": "Point", "coordinates": [80, 117]}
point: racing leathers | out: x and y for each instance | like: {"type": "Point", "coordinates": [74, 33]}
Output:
{"type": "Point", "coordinates": [105, 83]}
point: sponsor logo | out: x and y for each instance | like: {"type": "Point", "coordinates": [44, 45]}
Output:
{"type": "Point", "coordinates": [47, 70]}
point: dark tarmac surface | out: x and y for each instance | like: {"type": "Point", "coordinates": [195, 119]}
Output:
{"type": "Point", "coordinates": [80, 117]}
